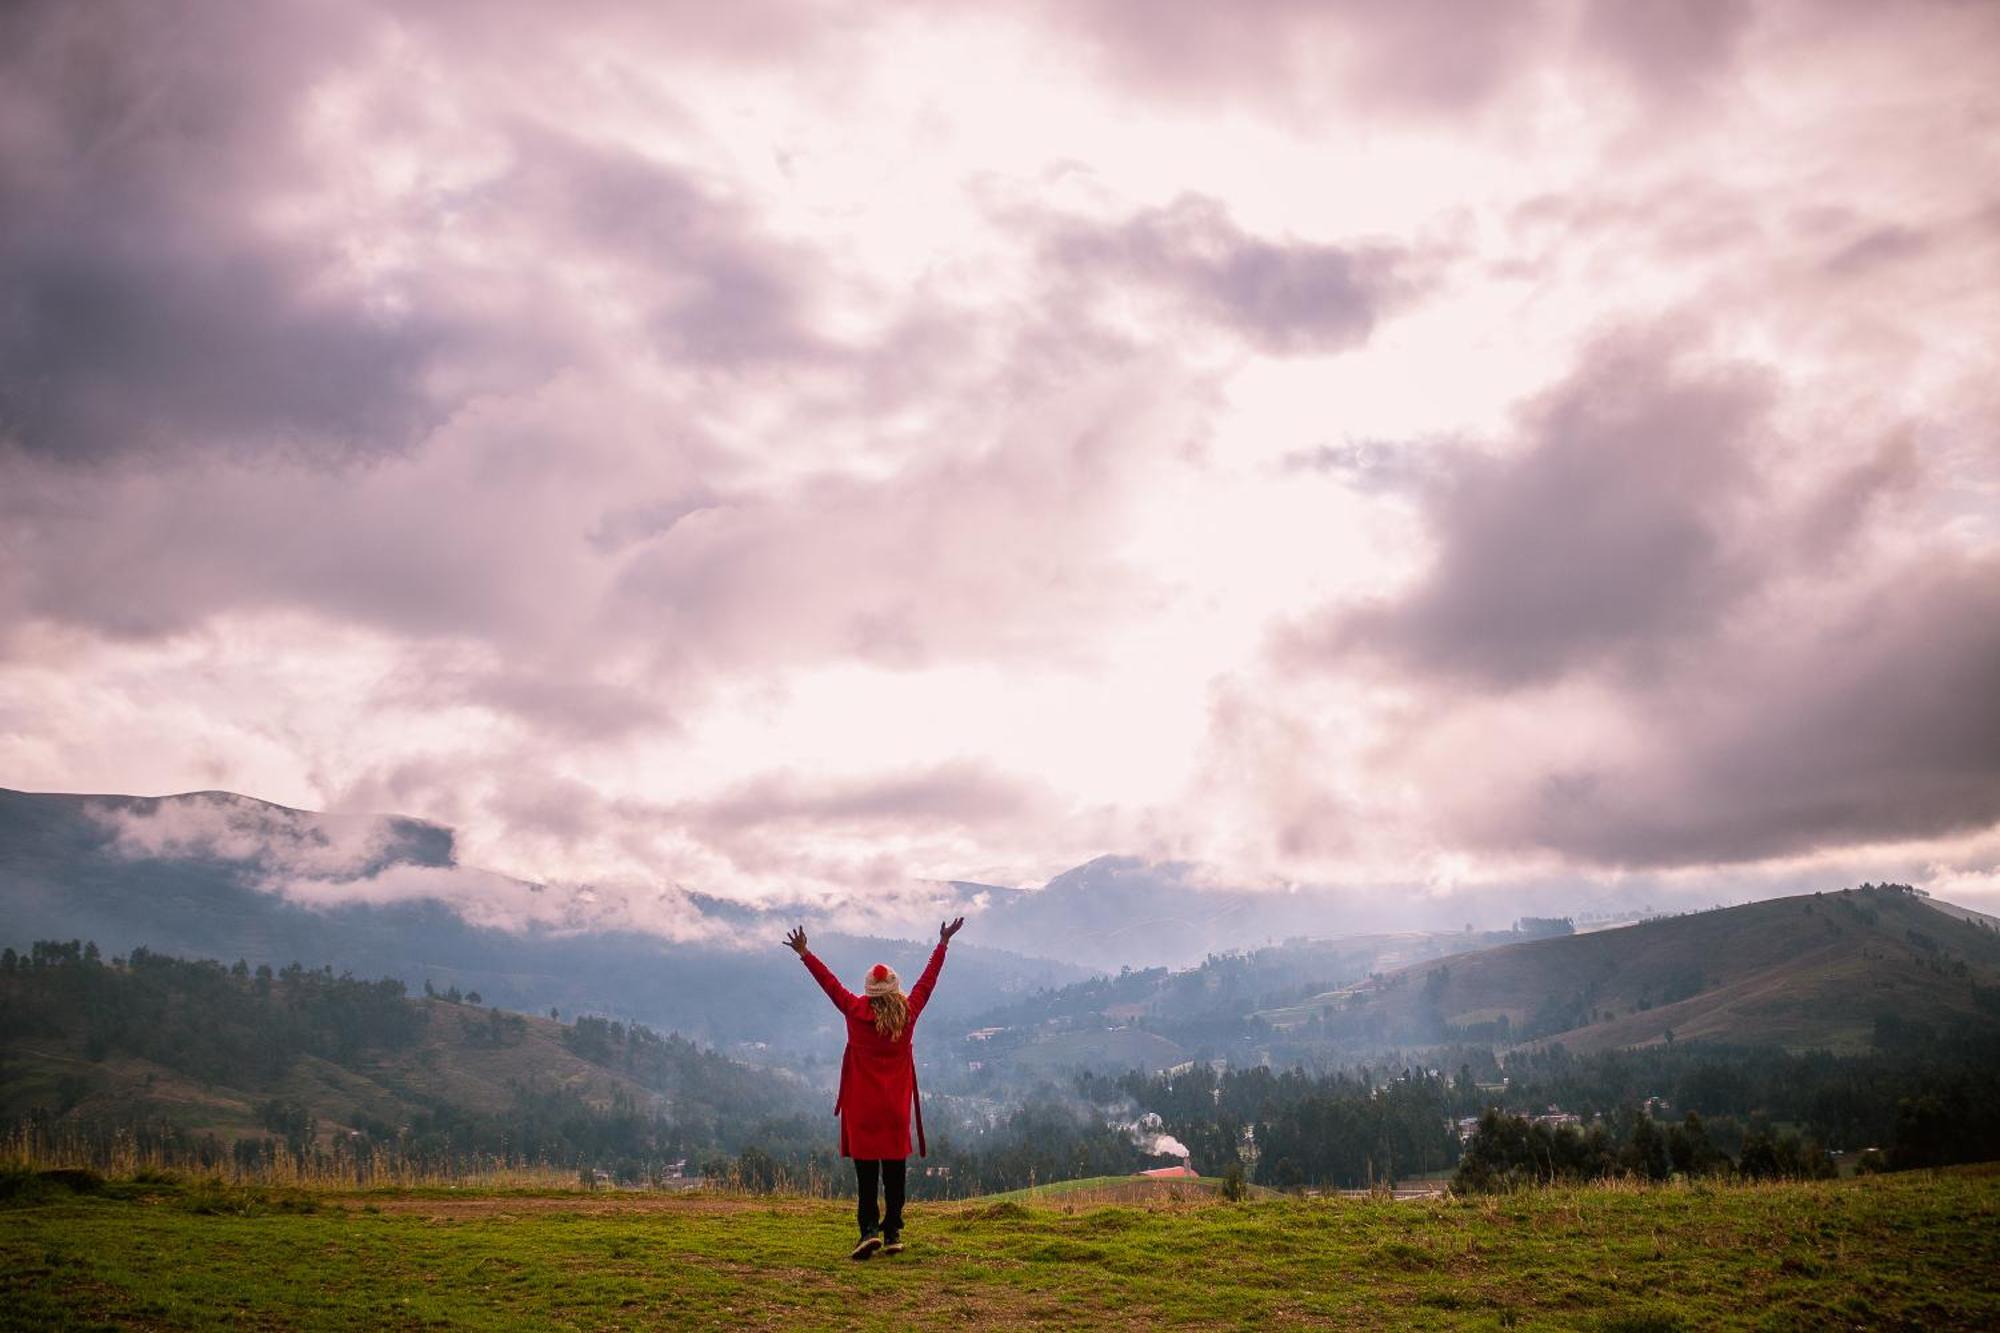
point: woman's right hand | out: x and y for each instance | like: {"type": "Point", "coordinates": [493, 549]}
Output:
{"type": "Point", "coordinates": [797, 940]}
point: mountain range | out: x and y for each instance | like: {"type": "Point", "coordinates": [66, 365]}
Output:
{"type": "Point", "coordinates": [1846, 971]}
{"type": "Point", "coordinates": [194, 875]}
{"type": "Point", "coordinates": [191, 875]}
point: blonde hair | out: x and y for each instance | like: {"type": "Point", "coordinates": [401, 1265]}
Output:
{"type": "Point", "coordinates": [892, 1013]}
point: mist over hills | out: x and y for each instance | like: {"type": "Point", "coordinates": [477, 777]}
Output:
{"type": "Point", "coordinates": [1119, 911]}
{"type": "Point", "coordinates": [194, 875]}
{"type": "Point", "coordinates": [1156, 1017]}
{"type": "Point", "coordinates": [99, 866]}
{"type": "Point", "coordinates": [214, 873]}
{"type": "Point", "coordinates": [1115, 912]}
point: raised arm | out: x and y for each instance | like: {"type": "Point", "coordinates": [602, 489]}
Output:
{"type": "Point", "coordinates": [920, 994]}
{"type": "Point", "coordinates": [843, 998]}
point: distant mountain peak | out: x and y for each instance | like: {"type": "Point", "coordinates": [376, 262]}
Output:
{"type": "Point", "coordinates": [231, 827]}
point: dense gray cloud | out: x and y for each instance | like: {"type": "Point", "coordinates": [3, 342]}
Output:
{"type": "Point", "coordinates": [152, 304]}
{"type": "Point", "coordinates": [1610, 537]}
{"type": "Point", "coordinates": [1780, 684]}
{"type": "Point", "coordinates": [144, 307]}
{"type": "Point", "coordinates": [1881, 726]}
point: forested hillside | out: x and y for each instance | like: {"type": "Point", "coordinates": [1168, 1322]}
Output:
{"type": "Point", "coordinates": [213, 1059]}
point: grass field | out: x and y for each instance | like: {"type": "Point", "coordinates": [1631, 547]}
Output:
{"type": "Point", "coordinates": [1095, 1190]}
{"type": "Point", "coordinates": [1915, 1251]}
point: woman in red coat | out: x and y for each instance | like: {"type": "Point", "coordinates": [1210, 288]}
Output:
{"type": "Point", "coordinates": [878, 1084]}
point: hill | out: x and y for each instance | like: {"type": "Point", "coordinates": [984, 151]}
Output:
{"type": "Point", "coordinates": [213, 874]}
{"type": "Point", "coordinates": [1907, 1251]}
{"type": "Point", "coordinates": [1156, 1018]}
{"type": "Point", "coordinates": [1841, 971]}
{"type": "Point", "coordinates": [185, 1051]}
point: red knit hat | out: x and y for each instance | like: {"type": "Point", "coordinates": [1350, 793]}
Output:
{"type": "Point", "coordinates": [882, 980]}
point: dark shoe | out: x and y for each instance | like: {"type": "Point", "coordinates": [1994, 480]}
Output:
{"type": "Point", "coordinates": [868, 1246]}
{"type": "Point", "coordinates": [894, 1244]}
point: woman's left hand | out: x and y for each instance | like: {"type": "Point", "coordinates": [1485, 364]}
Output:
{"type": "Point", "coordinates": [797, 940]}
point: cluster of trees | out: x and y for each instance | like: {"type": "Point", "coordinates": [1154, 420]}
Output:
{"type": "Point", "coordinates": [451, 994]}
{"type": "Point", "coordinates": [717, 1098]}
{"type": "Point", "coordinates": [1753, 1112]}
{"type": "Point", "coordinates": [1049, 1137]}
{"type": "Point", "coordinates": [1509, 1151]}
{"type": "Point", "coordinates": [1290, 1129]}
{"type": "Point", "coordinates": [1931, 1100]}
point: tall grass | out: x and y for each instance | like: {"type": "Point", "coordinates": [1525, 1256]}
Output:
{"type": "Point", "coordinates": [124, 1153]}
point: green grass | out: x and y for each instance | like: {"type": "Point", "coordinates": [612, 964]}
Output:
{"type": "Point", "coordinates": [1091, 1190]}
{"type": "Point", "coordinates": [1060, 1188]}
{"type": "Point", "coordinates": [1916, 1251]}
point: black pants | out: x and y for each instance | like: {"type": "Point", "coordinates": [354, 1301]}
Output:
{"type": "Point", "coordinates": [892, 1174]}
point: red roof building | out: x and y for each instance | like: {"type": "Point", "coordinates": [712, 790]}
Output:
{"type": "Point", "coordinates": [1182, 1172]}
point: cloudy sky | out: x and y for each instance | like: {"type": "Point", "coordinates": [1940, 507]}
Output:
{"type": "Point", "coordinates": [802, 450]}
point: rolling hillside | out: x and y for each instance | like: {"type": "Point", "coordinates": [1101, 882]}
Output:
{"type": "Point", "coordinates": [1836, 970]}
{"type": "Point", "coordinates": [1157, 1018]}
{"type": "Point", "coordinates": [204, 1050]}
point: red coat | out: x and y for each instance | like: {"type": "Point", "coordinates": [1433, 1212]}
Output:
{"type": "Point", "coordinates": [878, 1077]}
